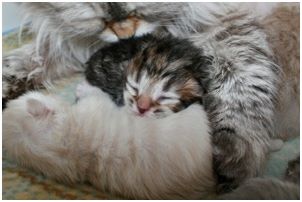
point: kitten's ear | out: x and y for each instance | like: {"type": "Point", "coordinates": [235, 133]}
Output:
{"type": "Point", "coordinates": [37, 108]}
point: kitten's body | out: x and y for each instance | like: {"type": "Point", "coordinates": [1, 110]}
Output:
{"type": "Point", "coordinates": [225, 81]}
{"type": "Point", "coordinates": [96, 141]}
{"type": "Point", "coordinates": [142, 158]}
{"type": "Point", "coordinates": [159, 69]}
{"type": "Point", "coordinates": [241, 114]}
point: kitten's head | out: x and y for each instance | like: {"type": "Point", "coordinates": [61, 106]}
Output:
{"type": "Point", "coordinates": [108, 21]}
{"type": "Point", "coordinates": [158, 79]}
{"type": "Point", "coordinates": [37, 113]}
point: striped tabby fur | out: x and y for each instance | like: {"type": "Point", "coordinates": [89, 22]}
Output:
{"type": "Point", "coordinates": [241, 84]}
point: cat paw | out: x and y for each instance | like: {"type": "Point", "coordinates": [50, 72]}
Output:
{"type": "Point", "coordinates": [15, 80]}
{"type": "Point", "coordinates": [276, 145]}
{"type": "Point", "coordinates": [234, 160]}
{"type": "Point", "coordinates": [84, 89]}
{"type": "Point", "coordinates": [293, 171]}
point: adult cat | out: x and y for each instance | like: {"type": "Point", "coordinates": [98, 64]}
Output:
{"type": "Point", "coordinates": [242, 83]}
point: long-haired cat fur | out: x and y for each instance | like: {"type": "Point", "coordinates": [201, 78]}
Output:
{"type": "Point", "coordinates": [283, 29]}
{"type": "Point", "coordinates": [242, 82]}
{"type": "Point", "coordinates": [269, 188]}
{"type": "Point", "coordinates": [142, 158]}
{"type": "Point", "coordinates": [156, 158]}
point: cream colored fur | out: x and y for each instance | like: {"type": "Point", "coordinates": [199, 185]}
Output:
{"type": "Point", "coordinates": [95, 141]}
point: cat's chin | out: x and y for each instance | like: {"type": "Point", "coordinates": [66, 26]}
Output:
{"type": "Point", "coordinates": [144, 28]}
{"type": "Point", "coordinates": [137, 114]}
{"type": "Point", "coordinates": [150, 115]}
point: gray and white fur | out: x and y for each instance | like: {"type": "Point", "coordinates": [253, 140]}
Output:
{"type": "Point", "coordinates": [270, 188]}
{"type": "Point", "coordinates": [242, 83]}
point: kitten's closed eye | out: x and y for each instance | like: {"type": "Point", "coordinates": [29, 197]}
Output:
{"type": "Point", "coordinates": [132, 90]}
{"type": "Point", "coordinates": [162, 98]}
{"type": "Point", "coordinates": [166, 99]}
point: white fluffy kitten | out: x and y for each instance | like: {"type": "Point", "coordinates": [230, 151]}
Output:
{"type": "Point", "coordinates": [96, 141]}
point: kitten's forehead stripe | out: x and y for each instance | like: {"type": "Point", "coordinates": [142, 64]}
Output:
{"type": "Point", "coordinates": [132, 82]}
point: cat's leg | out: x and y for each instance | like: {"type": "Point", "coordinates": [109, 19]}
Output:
{"type": "Point", "coordinates": [276, 144]}
{"type": "Point", "coordinates": [270, 188]}
{"type": "Point", "coordinates": [293, 171]}
{"type": "Point", "coordinates": [241, 105]}
{"type": "Point", "coordinates": [23, 69]}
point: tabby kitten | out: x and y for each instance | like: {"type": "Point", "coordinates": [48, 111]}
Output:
{"type": "Point", "coordinates": [151, 75]}
{"type": "Point", "coordinates": [242, 81]}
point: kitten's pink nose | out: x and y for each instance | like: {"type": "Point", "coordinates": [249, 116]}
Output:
{"type": "Point", "coordinates": [143, 104]}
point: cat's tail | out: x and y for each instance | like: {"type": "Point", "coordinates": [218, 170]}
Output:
{"type": "Point", "coordinates": [270, 188]}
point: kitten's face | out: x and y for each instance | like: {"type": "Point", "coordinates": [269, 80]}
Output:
{"type": "Point", "coordinates": [158, 85]}
{"type": "Point", "coordinates": [108, 21]}
{"type": "Point", "coordinates": [159, 97]}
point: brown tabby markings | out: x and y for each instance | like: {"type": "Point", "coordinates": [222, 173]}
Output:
{"type": "Point", "coordinates": [190, 90]}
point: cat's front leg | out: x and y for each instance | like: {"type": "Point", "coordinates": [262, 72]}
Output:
{"type": "Point", "coordinates": [236, 158]}
{"type": "Point", "coordinates": [21, 71]}
{"type": "Point", "coordinates": [241, 106]}
{"type": "Point", "coordinates": [24, 69]}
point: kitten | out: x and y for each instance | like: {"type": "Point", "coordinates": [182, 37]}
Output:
{"type": "Point", "coordinates": [242, 83]}
{"type": "Point", "coordinates": [142, 158]}
{"type": "Point", "coordinates": [67, 34]}
{"type": "Point", "coordinates": [152, 76]}
{"type": "Point", "coordinates": [239, 79]}
{"type": "Point", "coordinates": [170, 158]}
